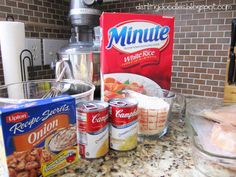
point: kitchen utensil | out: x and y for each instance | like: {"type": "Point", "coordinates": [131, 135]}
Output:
{"type": "Point", "coordinates": [209, 160]}
{"type": "Point", "coordinates": [193, 108]}
{"type": "Point", "coordinates": [82, 53]}
{"type": "Point", "coordinates": [36, 89]}
{"type": "Point", "coordinates": [82, 12]}
{"type": "Point", "coordinates": [55, 91]}
{"type": "Point", "coordinates": [82, 61]}
{"type": "Point", "coordinates": [6, 101]}
{"type": "Point", "coordinates": [178, 110]}
{"type": "Point", "coordinates": [154, 112]}
{"type": "Point", "coordinates": [231, 71]}
{"type": "Point", "coordinates": [210, 164]}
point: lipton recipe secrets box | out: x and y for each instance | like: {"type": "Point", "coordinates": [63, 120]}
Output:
{"type": "Point", "coordinates": [38, 138]}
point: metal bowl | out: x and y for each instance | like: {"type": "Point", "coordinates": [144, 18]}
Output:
{"type": "Point", "coordinates": [36, 89]}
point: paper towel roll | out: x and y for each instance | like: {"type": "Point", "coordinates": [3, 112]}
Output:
{"type": "Point", "coordinates": [12, 41]}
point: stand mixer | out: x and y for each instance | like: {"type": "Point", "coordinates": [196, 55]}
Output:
{"type": "Point", "coordinates": [81, 57]}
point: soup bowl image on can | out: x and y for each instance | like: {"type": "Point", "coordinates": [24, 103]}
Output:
{"type": "Point", "coordinates": [123, 124]}
{"type": "Point", "coordinates": [92, 124]}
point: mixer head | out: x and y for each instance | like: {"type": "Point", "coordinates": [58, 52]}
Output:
{"type": "Point", "coordinates": [84, 12]}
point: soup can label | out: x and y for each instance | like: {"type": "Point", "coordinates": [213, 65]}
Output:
{"type": "Point", "coordinates": [123, 124]}
{"type": "Point", "coordinates": [92, 124]}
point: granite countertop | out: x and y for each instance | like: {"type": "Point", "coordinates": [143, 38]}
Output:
{"type": "Point", "coordinates": [169, 156]}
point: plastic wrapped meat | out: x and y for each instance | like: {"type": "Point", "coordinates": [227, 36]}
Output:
{"type": "Point", "coordinates": [226, 115]}
{"type": "Point", "coordinates": [224, 136]}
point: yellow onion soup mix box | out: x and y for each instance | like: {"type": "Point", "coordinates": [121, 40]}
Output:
{"type": "Point", "coordinates": [38, 138]}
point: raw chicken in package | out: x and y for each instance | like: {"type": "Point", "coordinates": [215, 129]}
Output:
{"type": "Point", "coordinates": [136, 53]}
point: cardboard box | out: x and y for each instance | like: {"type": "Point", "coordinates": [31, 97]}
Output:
{"type": "Point", "coordinates": [38, 138]}
{"type": "Point", "coordinates": [136, 53]}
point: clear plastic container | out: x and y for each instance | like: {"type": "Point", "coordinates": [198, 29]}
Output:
{"type": "Point", "coordinates": [209, 159]}
{"type": "Point", "coordinates": [178, 110]}
{"type": "Point", "coordinates": [194, 106]}
{"type": "Point", "coordinates": [210, 164]}
{"type": "Point", "coordinates": [36, 89]}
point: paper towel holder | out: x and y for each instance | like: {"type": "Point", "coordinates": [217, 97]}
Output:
{"type": "Point", "coordinates": [10, 18]}
{"type": "Point", "coordinates": [23, 60]}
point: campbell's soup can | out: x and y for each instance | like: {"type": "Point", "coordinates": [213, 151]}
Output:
{"type": "Point", "coordinates": [93, 127]}
{"type": "Point", "coordinates": [123, 124]}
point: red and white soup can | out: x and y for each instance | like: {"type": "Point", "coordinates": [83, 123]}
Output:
{"type": "Point", "coordinates": [93, 127]}
{"type": "Point", "coordinates": [123, 124]}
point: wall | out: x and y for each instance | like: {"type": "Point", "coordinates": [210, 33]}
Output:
{"type": "Point", "coordinates": [43, 19]}
{"type": "Point", "coordinates": [201, 38]}
{"type": "Point", "coordinates": [201, 43]}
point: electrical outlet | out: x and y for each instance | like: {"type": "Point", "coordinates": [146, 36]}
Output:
{"type": "Point", "coordinates": [34, 45]}
{"type": "Point", "coordinates": [50, 49]}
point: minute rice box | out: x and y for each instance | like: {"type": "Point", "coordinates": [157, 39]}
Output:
{"type": "Point", "coordinates": [38, 138]}
{"type": "Point", "coordinates": [136, 53]}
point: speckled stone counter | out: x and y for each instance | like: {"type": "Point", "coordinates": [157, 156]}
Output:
{"type": "Point", "coordinates": [166, 157]}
